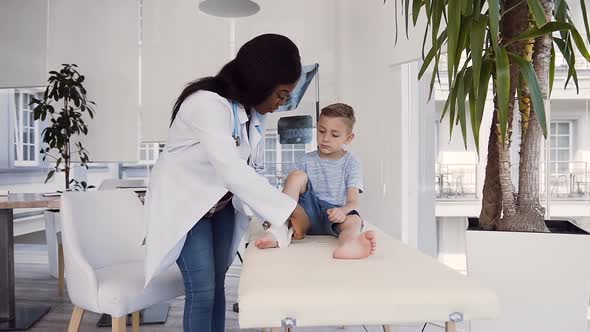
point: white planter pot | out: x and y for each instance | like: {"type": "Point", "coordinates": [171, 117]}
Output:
{"type": "Point", "coordinates": [52, 228]}
{"type": "Point", "coordinates": [542, 279]}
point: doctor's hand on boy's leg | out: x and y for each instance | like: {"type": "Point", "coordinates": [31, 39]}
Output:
{"type": "Point", "coordinates": [352, 244]}
{"type": "Point", "coordinates": [300, 223]}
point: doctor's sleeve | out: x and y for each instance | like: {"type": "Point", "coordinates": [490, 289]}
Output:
{"type": "Point", "coordinates": [210, 117]}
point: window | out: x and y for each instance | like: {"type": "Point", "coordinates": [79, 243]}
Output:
{"type": "Point", "coordinates": [290, 153]}
{"type": "Point", "coordinates": [279, 158]}
{"type": "Point", "coordinates": [561, 147]}
{"type": "Point", "coordinates": [149, 153]}
{"type": "Point", "coordinates": [26, 129]}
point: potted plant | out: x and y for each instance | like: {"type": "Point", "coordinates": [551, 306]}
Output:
{"type": "Point", "coordinates": [511, 44]}
{"type": "Point", "coordinates": [64, 103]}
{"type": "Point", "coordinates": [66, 92]}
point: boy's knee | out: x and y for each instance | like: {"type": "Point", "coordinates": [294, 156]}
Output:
{"type": "Point", "coordinates": [298, 175]}
{"type": "Point", "coordinates": [353, 219]}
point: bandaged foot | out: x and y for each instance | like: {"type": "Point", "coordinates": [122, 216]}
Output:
{"type": "Point", "coordinates": [358, 247]}
{"type": "Point", "coordinates": [267, 240]}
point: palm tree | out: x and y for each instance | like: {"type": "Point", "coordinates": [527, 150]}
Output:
{"type": "Point", "coordinates": [512, 44]}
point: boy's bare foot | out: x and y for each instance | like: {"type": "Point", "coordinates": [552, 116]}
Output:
{"type": "Point", "coordinates": [266, 241]}
{"type": "Point", "coordinates": [360, 247]}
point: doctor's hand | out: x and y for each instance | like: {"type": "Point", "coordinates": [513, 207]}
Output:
{"type": "Point", "coordinates": [336, 215]}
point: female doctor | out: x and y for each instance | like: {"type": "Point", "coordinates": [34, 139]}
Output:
{"type": "Point", "coordinates": [204, 184]}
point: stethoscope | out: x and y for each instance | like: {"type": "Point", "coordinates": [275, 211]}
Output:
{"type": "Point", "coordinates": [236, 132]}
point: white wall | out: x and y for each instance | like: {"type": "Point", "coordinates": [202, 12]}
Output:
{"type": "Point", "coordinates": [23, 36]}
{"type": "Point", "coordinates": [180, 44]}
{"type": "Point", "coordinates": [368, 84]}
{"type": "Point", "coordinates": [101, 38]}
{"type": "Point", "coordinates": [385, 101]}
{"type": "Point", "coordinates": [311, 24]}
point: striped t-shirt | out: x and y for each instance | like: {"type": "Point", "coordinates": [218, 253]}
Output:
{"type": "Point", "coordinates": [330, 179]}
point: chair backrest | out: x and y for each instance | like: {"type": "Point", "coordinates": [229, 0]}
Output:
{"type": "Point", "coordinates": [109, 184]}
{"type": "Point", "coordinates": [103, 228]}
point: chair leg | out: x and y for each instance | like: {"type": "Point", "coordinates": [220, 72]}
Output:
{"type": "Point", "coordinates": [450, 327]}
{"type": "Point", "coordinates": [386, 328]}
{"type": "Point", "coordinates": [135, 319]}
{"type": "Point", "coordinates": [119, 323]}
{"type": "Point", "coordinates": [76, 319]}
{"type": "Point", "coordinates": [61, 268]}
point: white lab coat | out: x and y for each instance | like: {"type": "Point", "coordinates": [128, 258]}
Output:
{"type": "Point", "coordinates": [200, 164]}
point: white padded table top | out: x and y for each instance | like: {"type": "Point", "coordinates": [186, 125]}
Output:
{"type": "Point", "coordinates": [397, 284]}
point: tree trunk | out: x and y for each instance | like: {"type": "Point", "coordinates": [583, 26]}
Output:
{"type": "Point", "coordinates": [491, 203]}
{"type": "Point", "coordinates": [514, 22]}
{"type": "Point", "coordinates": [531, 213]}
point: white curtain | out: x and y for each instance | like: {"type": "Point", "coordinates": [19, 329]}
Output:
{"type": "Point", "coordinates": [101, 37]}
{"type": "Point", "coordinates": [180, 44]}
{"type": "Point", "coordinates": [23, 42]}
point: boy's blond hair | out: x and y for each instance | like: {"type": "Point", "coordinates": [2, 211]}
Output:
{"type": "Point", "coordinates": [340, 110]}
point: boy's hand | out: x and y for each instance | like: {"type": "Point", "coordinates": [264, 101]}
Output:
{"type": "Point", "coordinates": [336, 215]}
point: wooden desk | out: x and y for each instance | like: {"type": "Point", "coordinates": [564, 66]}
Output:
{"type": "Point", "coordinates": [13, 316]}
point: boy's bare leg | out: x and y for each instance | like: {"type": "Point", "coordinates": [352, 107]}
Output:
{"type": "Point", "coordinates": [352, 244]}
{"type": "Point", "coordinates": [295, 186]}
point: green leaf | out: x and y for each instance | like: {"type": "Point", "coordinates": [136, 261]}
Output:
{"type": "Point", "coordinates": [434, 73]}
{"type": "Point", "coordinates": [566, 50]}
{"type": "Point", "coordinates": [502, 87]}
{"type": "Point", "coordinates": [461, 95]}
{"type": "Point", "coordinates": [528, 73]}
{"type": "Point", "coordinates": [476, 10]}
{"type": "Point", "coordinates": [467, 7]}
{"type": "Point", "coordinates": [453, 29]}
{"type": "Point", "coordinates": [536, 8]}
{"type": "Point", "coordinates": [585, 18]}
{"type": "Point", "coordinates": [407, 15]}
{"type": "Point", "coordinates": [462, 41]}
{"type": "Point", "coordinates": [473, 113]}
{"type": "Point", "coordinates": [431, 54]}
{"type": "Point", "coordinates": [551, 69]}
{"type": "Point", "coordinates": [416, 5]}
{"type": "Point", "coordinates": [396, 16]}
{"type": "Point", "coordinates": [49, 175]}
{"type": "Point", "coordinates": [557, 26]}
{"type": "Point", "coordinates": [478, 30]}
{"type": "Point", "coordinates": [482, 92]}
{"type": "Point", "coordinates": [437, 10]}
{"type": "Point", "coordinates": [579, 43]}
{"type": "Point", "coordinates": [550, 27]}
{"type": "Point", "coordinates": [494, 9]}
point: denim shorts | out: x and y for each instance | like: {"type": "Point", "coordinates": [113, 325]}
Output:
{"type": "Point", "coordinates": [316, 211]}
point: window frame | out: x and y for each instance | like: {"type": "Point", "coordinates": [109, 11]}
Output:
{"type": "Point", "coordinates": [18, 129]}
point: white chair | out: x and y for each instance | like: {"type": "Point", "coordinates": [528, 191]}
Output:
{"type": "Point", "coordinates": [102, 233]}
{"type": "Point", "coordinates": [109, 184]}
{"type": "Point", "coordinates": [53, 229]}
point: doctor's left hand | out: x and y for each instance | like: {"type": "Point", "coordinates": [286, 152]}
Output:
{"type": "Point", "coordinates": [336, 215]}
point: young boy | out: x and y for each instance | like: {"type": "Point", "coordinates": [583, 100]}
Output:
{"type": "Point", "coordinates": [327, 183]}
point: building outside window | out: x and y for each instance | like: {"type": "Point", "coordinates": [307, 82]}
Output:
{"type": "Point", "coordinates": [561, 147]}
{"type": "Point", "coordinates": [26, 129]}
{"type": "Point", "coordinates": [280, 158]}
{"type": "Point", "coordinates": [149, 153]}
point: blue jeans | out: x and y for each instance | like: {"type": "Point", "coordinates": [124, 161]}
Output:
{"type": "Point", "coordinates": [203, 262]}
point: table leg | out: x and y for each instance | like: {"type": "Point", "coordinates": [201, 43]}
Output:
{"type": "Point", "coordinates": [13, 317]}
{"type": "Point", "coordinates": [7, 302]}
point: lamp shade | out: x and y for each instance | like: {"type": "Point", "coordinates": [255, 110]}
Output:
{"type": "Point", "coordinates": [229, 8]}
